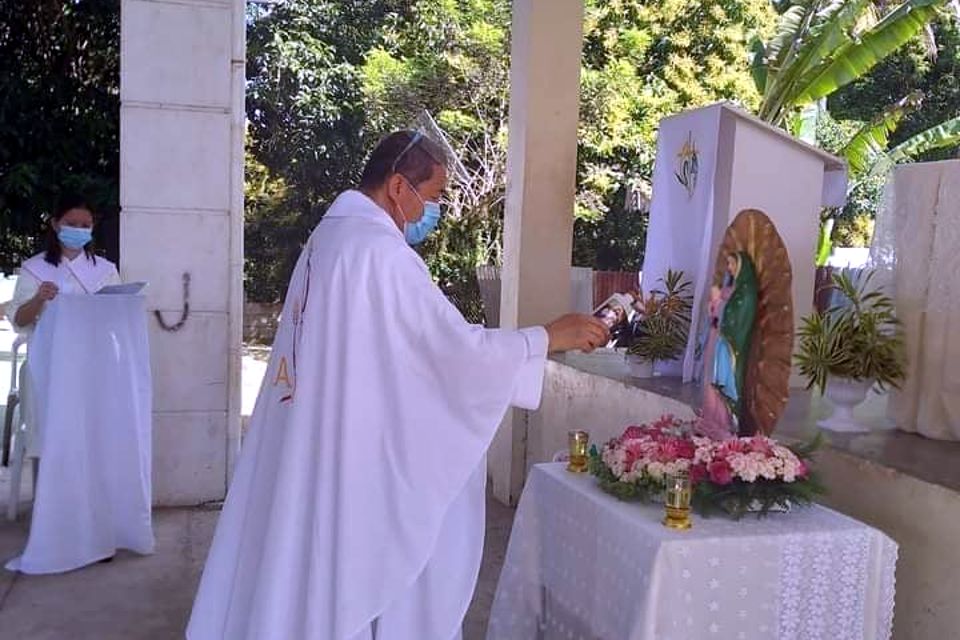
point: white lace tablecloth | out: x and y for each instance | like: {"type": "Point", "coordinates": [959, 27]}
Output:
{"type": "Point", "coordinates": [582, 565]}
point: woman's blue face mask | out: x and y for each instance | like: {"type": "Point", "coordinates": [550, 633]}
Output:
{"type": "Point", "coordinates": [75, 237]}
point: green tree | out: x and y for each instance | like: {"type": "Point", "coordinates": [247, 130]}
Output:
{"type": "Point", "coordinates": [306, 121]}
{"type": "Point", "coordinates": [644, 61]}
{"type": "Point", "coordinates": [451, 60]}
{"type": "Point", "coordinates": [59, 116]}
{"type": "Point", "coordinates": [823, 46]}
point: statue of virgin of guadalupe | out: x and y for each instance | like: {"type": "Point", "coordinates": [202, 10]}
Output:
{"type": "Point", "coordinates": [733, 310]}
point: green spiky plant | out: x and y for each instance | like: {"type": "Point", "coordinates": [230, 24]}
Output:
{"type": "Point", "coordinates": [660, 332]}
{"type": "Point", "coordinates": [861, 340]}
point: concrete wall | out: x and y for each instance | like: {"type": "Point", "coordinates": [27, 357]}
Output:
{"type": "Point", "coordinates": [181, 193]}
{"type": "Point", "coordinates": [602, 406]}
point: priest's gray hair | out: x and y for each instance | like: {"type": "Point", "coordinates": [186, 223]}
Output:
{"type": "Point", "coordinates": [409, 153]}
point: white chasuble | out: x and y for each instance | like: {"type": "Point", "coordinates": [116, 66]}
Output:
{"type": "Point", "coordinates": [356, 510]}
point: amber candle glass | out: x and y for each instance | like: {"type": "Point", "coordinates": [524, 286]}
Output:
{"type": "Point", "coordinates": [578, 451]}
{"type": "Point", "coordinates": [677, 501]}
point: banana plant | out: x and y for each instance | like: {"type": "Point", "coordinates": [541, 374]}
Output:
{"type": "Point", "coordinates": [945, 134]}
{"type": "Point", "coordinates": [823, 45]}
{"type": "Point", "coordinates": [867, 152]}
{"type": "Point", "coordinates": [866, 149]}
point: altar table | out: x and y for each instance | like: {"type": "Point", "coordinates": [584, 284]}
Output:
{"type": "Point", "coordinates": [582, 565]}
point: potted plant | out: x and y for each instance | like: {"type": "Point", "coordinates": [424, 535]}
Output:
{"type": "Point", "coordinates": [851, 348]}
{"type": "Point", "coordinates": [661, 325]}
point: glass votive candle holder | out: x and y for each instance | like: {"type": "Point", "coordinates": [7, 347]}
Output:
{"type": "Point", "coordinates": [578, 451]}
{"type": "Point", "coordinates": [677, 497]}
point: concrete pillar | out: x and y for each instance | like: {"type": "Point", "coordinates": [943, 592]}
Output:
{"type": "Point", "coordinates": [181, 195]}
{"type": "Point", "coordinates": [546, 39]}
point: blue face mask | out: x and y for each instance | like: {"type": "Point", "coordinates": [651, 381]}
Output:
{"type": "Point", "coordinates": [75, 237]}
{"type": "Point", "coordinates": [417, 232]}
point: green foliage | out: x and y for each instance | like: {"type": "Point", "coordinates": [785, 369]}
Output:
{"type": "Point", "coordinates": [941, 136]}
{"type": "Point", "coordinates": [760, 497]}
{"type": "Point", "coordinates": [864, 150]}
{"type": "Point", "coordinates": [329, 78]}
{"type": "Point", "coordinates": [860, 340]}
{"type": "Point", "coordinates": [645, 489]}
{"type": "Point", "coordinates": [643, 61]}
{"type": "Point", "coordinates": [854, 232]}
{"type": "Point", "coordinates": [659, 332]}
{"type": "Point", "coordinates": [820, 47]}
{"type": "Point", "coordinates": [59, 115]}
{"type": "Point", "coordinates": [451, 59]}
{"type": "Point", "coordinates": [306, 121]}
{"type": "Point", "coordinates": [271, 228]}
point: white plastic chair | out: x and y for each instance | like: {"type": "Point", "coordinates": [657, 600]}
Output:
{"type": "Point", "coordinates": [16, 432]}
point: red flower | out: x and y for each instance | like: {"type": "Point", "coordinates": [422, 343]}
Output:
{"type": "Point", "coordinates": [674, 448]}
{"type": "Point", "coordinates": [698, 473]}
{"type": "Point", "coordinates": [720, 472]}
{"type": "Point", "coordinates": [686, 449]}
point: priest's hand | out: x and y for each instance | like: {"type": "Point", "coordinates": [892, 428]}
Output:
{"type": "Point", "coordinates": [576, 331]}
{"type": "Point", "coordinates": [47, 291]}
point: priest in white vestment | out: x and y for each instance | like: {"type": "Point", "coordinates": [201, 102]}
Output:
{"type": "Point", "coordinates": [357, 507]}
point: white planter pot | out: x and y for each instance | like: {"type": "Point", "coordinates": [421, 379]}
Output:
{"type": "Point", "coordinates": [845, 395]}
{"type": "Point", "coordinates": [639, 368]}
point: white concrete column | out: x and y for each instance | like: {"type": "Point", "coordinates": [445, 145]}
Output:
{"type": "Point", "coordinates": [181, 194]}
{"type": "Point", "coordinates": [547, 37]}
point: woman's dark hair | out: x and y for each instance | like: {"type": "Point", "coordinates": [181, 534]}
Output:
{"type": "Point", "coordinates": [65, 203]}
{"type": "Point", "coordinates": [409, 153]}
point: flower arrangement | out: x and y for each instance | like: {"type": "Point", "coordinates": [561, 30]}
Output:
{"type": "Point", "coordinates": [736, 476]}
{"type": "Point", "coordinates": [635, 465]}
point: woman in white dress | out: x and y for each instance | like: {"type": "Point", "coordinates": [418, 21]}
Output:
{"type": "Point", "coordinates": [67, 265]}
{"type": "Point", "coordinates": [92, 495]}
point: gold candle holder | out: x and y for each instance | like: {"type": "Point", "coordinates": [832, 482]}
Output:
{"type": "Point", "coordinates": [677, 502]}
{"type": "Point", "coordinates": [578, 451]}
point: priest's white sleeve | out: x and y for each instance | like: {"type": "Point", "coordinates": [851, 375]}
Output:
{"type": "Point", "coordinates": [528, 389]}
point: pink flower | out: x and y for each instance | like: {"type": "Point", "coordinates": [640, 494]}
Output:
{"type": "Point", "coordinates": [633, 433]}
{"type": "Point", "coordinates": [720, 472]}
{"type": "Point", "coordinates": [759, 444]}
{"type": "Point", "coordinates": [802, 469]}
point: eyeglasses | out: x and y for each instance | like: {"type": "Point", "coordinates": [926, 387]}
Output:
{"type": "Point", "coordinates": [410, 145]}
